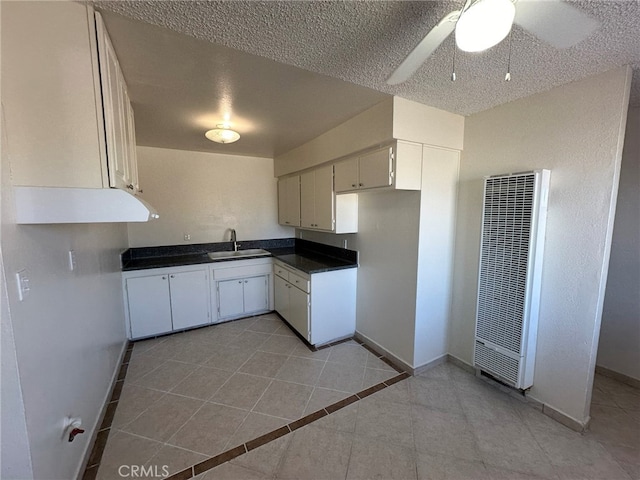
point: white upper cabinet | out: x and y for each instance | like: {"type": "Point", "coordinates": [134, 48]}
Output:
{"type": "Point", "coordinates": [61, 81]}
{"type": "Point", "coordinates": [289, 201]}
{"type": "Point", "coordinates": [317, 199]}
{"type": "Point", "coordinates": [308, 201]}
{"type": "Point", "coordinates": [118, 115]}
{"type": "Point", "coordinates": [398, 166]}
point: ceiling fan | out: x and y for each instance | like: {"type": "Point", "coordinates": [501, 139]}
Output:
{"type": "Point", "coordinates": [481, 24]}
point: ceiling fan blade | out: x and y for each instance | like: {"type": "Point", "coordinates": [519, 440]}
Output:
{"type": "Point", "coordinates": [424, 49]}
{"type": "Point", "coordinates": [555, 22]}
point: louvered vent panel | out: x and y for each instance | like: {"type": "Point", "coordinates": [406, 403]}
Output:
{"type": "Point", "coordinates": [503, 267]}
{"type": "Point", "coordinates": [514, 214]}
{"type": "Point", "coordinates": [497, 363]}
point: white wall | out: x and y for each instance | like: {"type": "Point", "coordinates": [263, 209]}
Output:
{"type": "Point", "coordinates": [68, 333]}
{"type": "Point", "coordinates": [387, 241]}
{"type": "Point", "coordinates": [15, 453]}
{"type": "Point", "coordinates": [204, 195]}
{"type": "Point", "coordinates": [619, 348]}
{"type": "Point", "coordinates": [575, 130]}
{"type": "Point", "coordinates": [435, 253]}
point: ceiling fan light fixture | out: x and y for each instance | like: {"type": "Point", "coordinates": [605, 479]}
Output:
{"type": "Point", "coordinates": [484, 24]}
{"type": "Point", "coordinates": [222, 134]}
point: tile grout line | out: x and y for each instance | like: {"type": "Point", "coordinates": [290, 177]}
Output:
{"type": "Point", "coordinates": [282, 431]}
{"type": "Point", "coordinates": [97, 451]}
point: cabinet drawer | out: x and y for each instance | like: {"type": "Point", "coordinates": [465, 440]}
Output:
{"type": "Point", "coordinates": [281, 272]}
{"type": "Point", "coordinates": [299, 281]}
{"type": "Point", "coordinates": [224, 273]}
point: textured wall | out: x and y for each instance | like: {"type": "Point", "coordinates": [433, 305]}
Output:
{"type": "Point", "coordinates": [575, 131]}
{"type": "Point", "coordinates": [68, 334]}
{"type": "Point", "coordinates": [205, 194]}
{"type": "Point", "coordinates": [387, 242]}
{"type": "Point", "coordinates": [619, 348]}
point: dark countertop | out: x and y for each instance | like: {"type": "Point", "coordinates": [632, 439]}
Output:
{"type": "Point", "coordinates": [309, 257]}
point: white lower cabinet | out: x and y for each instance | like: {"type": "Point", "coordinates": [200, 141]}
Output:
{"type": "Point", "coordinates": [164, 300]}
{"type": "Point", "coordinates": [149, 305]}
{"type": "Point", "coordinates": [243, 296]}
{"type": "Point", "coordinates": [242, 288]}
{"type": "Point", "coordinates": [293, 304]}
{"type": "Point", "coordinates": [321, 306]}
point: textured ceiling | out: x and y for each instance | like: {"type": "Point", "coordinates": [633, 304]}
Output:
{"type": "Point", "coordinates": [362, 42]}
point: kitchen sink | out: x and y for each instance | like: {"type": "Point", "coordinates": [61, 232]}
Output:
{"type": "Point", "coordinates": [251, 252]}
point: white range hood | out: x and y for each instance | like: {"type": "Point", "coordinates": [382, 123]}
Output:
{"type": "Point", "coordinates": [79, 205]}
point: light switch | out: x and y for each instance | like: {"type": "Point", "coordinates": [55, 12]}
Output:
{"type": "Point", "coordinates": [23, 285]}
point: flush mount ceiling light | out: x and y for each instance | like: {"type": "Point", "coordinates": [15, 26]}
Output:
{"type": "Point", "coordinates": [484, 24]}
{"type": "Point", "coordinates": [222, 134]}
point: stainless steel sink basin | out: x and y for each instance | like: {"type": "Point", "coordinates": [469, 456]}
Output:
{"type": "Point", "coordinates": [251, 252]}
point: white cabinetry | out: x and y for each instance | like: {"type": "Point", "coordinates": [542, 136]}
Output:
{"type": "Point", "coordinates": [59, 72]}
{"type": "Point", "coordinates": [317, 199]}
{"type": "Point", "coordinates": [397, 166]}
{"type": "Point", "coordinates": [243, 296]}
{"type": "Point", "coordinates": [242, 288]}
{"type": "Point", "coordinates": [289, 201]}
{"type": "Point", "coordinates": [321, 209]}
{"type": "Point", "coordinates": [118, 115]}
{"type": "Point", "coordinates": [320, 306]}
{"type": "Point", "coordinates": [292, 298]}
{"type": "Point", "coordinates": [163, 300]}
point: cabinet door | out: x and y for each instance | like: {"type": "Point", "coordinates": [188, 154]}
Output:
{"type": "Point", "coordinates": [299, 311]}
{"type": "Point", "coordinates": [230, 298]}
{"type": "Point", "coordinates": [289, 201]}
{"type": "Point", "coordinates": [324, 198]}
{"type": "Point", "coordinates": [307, 200]}
{"type": "Point", "coordinates": [346, 175]}
{"type": "Point", "coordinates": [256, 294]}
{"type": "Point", "coordinates": [114, 110]}
{"type": "Point", "coordinates": [375, 169]}
{"type": "Point", "coordinates": [149, 305]}
{"type": "Point", "coordinates": [132, 159]}
{"type": "Point", "coordinates": [293, 201]}
{"type": "Point", "coordinates": [283, 212]}
{"type": "Point", "coordinates": [281, 296]}
{"type": "Point", "coordinates": [189, 298]}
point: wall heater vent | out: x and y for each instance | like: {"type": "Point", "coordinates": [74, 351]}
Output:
{"type": "Point", "coordinates": [511, 250]}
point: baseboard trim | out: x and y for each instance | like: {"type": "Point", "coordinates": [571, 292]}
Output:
{"type": "Point", "coordinates": [620, 377]}
{"type": "Point", "coordinates": [461, 363]}
{"type": "Point", "coordinates": [532, 402]}
{"type": "Point", "coordinates": [565, 419]}
{"type": "Point", "coordinates": [384, 352]}
{"type": "Point", "coordinates": [106, 414]}
{"type": "Point", "coordinates": [429, 365]}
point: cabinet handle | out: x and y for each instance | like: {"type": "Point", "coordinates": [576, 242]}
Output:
{"type": "Point", "coordinates": [287, 223]}
{"type": "Point", "coordinates": [240, 281]}
{"type": "Point", "coordinates": [140, 190]}
{"type": "Point", "coordinates": [130, 186]}
{"type": "Point", "coordinates": [361, 184]}
{"type": "Point", "coordinates": [246, 281]}
{"type": "Point", "coordinates": [164, 278]}
{"type": "Point", "coordinates": [353, 185]}
{"type": "Point", "coordinates": [172, 276]}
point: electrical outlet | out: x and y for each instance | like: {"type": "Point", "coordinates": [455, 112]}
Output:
{"type": "Point", "coordinates": [23, 285]}
{"type": "Point", "coordinates": [72, 260]}
{"type": "Point", "coordinates": [187, 236]}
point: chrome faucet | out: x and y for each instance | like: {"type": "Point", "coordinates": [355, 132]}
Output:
{"type": "Point", "coordinates": [233, 239]}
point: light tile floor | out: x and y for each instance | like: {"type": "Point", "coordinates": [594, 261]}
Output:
{"type": "Point", "coordinates": [192, 395]}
